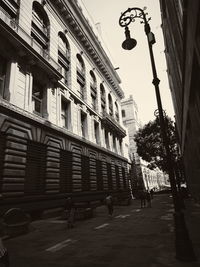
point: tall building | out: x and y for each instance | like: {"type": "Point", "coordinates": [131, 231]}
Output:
{"type": "Point", "coordinates": [141, 175]}
{"type": "Point", "coordinates": [61, 129]}
{"type": "Point", "coordinates": [181, 29]}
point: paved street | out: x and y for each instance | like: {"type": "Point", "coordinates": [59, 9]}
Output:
{"type": "Point", "coordinates": [134, 237]}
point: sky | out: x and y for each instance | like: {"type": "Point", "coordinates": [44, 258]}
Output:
{"type": "Point", "coordinates": [134, 65]}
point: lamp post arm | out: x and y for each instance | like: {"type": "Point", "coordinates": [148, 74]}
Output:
{"type": "Point", "coordinates": [131, 14]}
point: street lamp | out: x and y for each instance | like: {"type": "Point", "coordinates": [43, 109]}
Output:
{"type": "Point", "coordinates": [184, 249]}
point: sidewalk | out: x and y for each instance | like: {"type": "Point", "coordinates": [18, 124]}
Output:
{"type": "Point", "coordinates": [134, 237]}
{"type": "Point", "coordinates": [192, 218]}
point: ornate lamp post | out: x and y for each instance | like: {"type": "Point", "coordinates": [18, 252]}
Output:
{"type": "Point", "coordinates": [184, 249]}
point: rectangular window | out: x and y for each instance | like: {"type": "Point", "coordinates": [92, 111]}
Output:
{"type": "Point", "coordinates": [37, 97]}
{"type": "Point", "coordinates": [65, 114]}
{"type": "Point", "coordinates": [123, 113]}
{"type": "Point", "coordinates": [93, 102]}
{"type": "Point", "coordinates": [96, 132]}
{"type": "Point", "coordinates": [120, 146]}
{"type": "Point", "coordinates": [107, 139]}
{"type": "Point", "coordinates": [3, 65]}
{"type": "Point", "coordinates": [83, 124]}
{"type": "Point", "coordinates": [81, 87]}
{"type": "Point", "coordinates": [114, 144]}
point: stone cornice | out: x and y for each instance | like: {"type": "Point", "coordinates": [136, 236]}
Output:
{"type": "Point", "coordinates": [73, 16]}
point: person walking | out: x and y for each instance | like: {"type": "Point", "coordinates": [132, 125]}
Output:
{"type": "Point", "coordinates": [69, 205]}
{"type": "Point", "coordinates": [109, 204]}
{"type": "Point", "coordinates": [142, 196]}
{"type": "Point", "coordinates": [151, 193]}
{"type": "Point", "coordinates": [148, 198]}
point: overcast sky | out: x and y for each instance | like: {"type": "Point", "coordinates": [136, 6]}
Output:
{"type": "Point", "coordinates": [134, 65]}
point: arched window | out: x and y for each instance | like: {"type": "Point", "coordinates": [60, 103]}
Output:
{"type": "Point", "coordinates": [110, 103]}
{"type": "Point", "coordinates": [93, 90]}
{"type": "Point", "coordinates": [103, 98]}
{"type": "Point", "coordinates": [40, 28]}
{"type": "Point", "coordinates": [64, 57]}
{"type": "Point", "coordinates": [80, 70]}
{"type": "Point", "coordinates": [116, 111]}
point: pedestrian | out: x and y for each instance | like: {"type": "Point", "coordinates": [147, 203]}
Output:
{"type": "Point", "coordinates": [142, 196]}
{"type": "Point", "coordinates": [148, 198]}
{"type": "Point", "coordinates": [151, 193]}
{"type": "Point", "coordinates": [69, 206]}
{"type": "Point", "coordinates": [109, 204]}
{"type": "Point", "coordinates": [4, 258]}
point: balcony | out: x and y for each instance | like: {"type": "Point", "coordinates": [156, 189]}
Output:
{"type": "Point", "coordinates": [9, 20]}
{"type": "Point", "coordinates": [110, 123]}
{"type": "Point", "coordinates": [11, 7]}
{"type": "Point", "coordinates": [27, 45]}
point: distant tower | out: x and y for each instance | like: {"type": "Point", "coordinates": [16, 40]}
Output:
{"type": "Point", "coordinates": [131, 121]}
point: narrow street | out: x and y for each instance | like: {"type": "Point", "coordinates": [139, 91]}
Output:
{"type": "Point", "coordinates": [133, 237]}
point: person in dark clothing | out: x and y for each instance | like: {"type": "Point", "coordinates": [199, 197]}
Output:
{"type": "Point", "coordinates": [109, 204]}
{"type": "Point", "coordinates": [151, 193]}
{"type": "Point", "coordinates": [148, 198]}
{"type": "Point", "coordinates": [69, 206]}
{"type": "Point", "coordinates": [142, 197]}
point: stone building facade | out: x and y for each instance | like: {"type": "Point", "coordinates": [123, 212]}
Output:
{"type": "Point", "coordinates": [181, 29]}
{"type": "Point", "coordinates": [141, 175]}
{"type": "Point", "coordinates": [61, 129]}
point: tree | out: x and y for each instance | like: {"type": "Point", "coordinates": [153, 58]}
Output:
{"type": "Point", "coordinates": [150, 145]}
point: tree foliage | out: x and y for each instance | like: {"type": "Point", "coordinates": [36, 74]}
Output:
{"type": "Point", "coordinates": [150, 145]}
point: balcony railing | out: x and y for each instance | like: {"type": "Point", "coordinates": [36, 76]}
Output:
{"type": "Point", "coordinates": [9, 20]}
{"type": "Point", "coordinates": [11, 7]}
{"type": "Point", "coordinates": [30, 40]}
{"type": "Point", "coordinates": [112, 123]}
